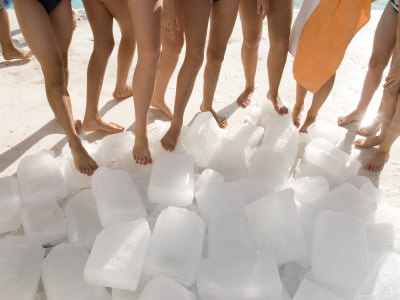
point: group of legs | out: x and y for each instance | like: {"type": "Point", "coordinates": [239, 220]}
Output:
{"type": "Point", "coordinates": [192, 17]}
{"type": "Point", "coordinates": [48, 25]}
{"type": "Point", "coordinates": [387, 119]}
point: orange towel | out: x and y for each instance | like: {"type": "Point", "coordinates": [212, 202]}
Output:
{"type": "Point", "coordinates": [325, 38]}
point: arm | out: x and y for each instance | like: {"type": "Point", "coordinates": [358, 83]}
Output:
{"type": "Point", "coordinates": [262, 7]}
{"type": "Point", "coordinates": [394, 74]}
{"type": "Point", "coordinates": [169, 17]}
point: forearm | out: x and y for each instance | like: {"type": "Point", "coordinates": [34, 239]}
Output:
{"type": "Point", "coordinates": [398, 40]}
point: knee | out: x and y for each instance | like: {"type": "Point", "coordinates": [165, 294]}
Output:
{"type": "Point", "coordinates": [377, 63]}
{"type": "Point", "coordinates": [195, 59]}
{"type": "Point", "coordinates": [104, 47]}
{"type": "Point", "coordinates": [149, 57]}
{"type": "Point", "coordinates": [390, 93]}
{"type": "Point", "coordinates": [281, 44]}
{"type": "Point", "coordinates": [252, 42]}
{"type": "Point", "coordinates": [54, 72]}
{"type": "Point", "coordinates": [215, 55]}
{"type": "Point", "coordinates": [173, 48]}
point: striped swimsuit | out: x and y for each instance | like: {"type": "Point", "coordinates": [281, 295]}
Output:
{"type": "Point", "coordinates": [395, 4]}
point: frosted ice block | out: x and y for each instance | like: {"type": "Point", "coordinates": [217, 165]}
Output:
{"type": "Point", "coordinates": [44, 221]}
{"type": "Point", "coordinates": [20, 262]}
{"type": "Point", "coordinates": [176, 246]}
{"type": "Point", "coordinates": [113, 146]}
{"type": "Point", "coordinates": [10, 204]}
{"type": "Point", "coordinates": [161, 288]}
{"type": "Point", "coordinates": [339, 252]}
{"type": "Point", "coordinates": [171, 181]}
{"type": "Point", "coordinates": [116, 196]}
{"type": "Point", "coordinates": [208, 177]}
{"type": "Point", "coordinates": [62, 275]}
{"type": "Point", "coordinates": [221, 200]}
{"type": "Point", "coordinates": [117, 256]}
{"type": "Point", "coordinates": [311, 291]}
{"type": "Point", "coordinates": [40, 179]}
{"type": "Point", "coordinates": [274, 224]}
{"type": "Point", "coordinates": [83, 223]}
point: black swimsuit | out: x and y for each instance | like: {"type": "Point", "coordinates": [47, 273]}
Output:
{"type": "Point", "coordinates": [50, 5]}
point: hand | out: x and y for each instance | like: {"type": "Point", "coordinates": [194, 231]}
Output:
{"type": "Point", "coordinates": [169, 18]}
{"type": "Point", "coordinates": [394, 76]}
{"type": "Point", "coordinates": [262, 7]}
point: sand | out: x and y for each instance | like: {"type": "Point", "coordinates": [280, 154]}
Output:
{"type": "Point", "coordinates": [28, 125]}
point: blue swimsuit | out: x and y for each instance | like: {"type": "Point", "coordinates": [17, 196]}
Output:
{"type": "Point", "coordinates": [50, 5]}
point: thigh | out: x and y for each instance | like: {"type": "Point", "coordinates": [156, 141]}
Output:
{"type": "Point", "coordinates": [120, 11]}
{"type": "Point", "coordinates": [146, 23]}
{"type": "Point", "coordinates": [252, 23]}
{"type": "Point", "coordinates": [37, 30]}
{"type": "Point", "coordinates": [279, 17]}
{"type": "Point", "coordinates": [100, 20]}
{"type": "Point", "coordinates": [194, 17]}
{"type": "Point", "coordinates": [385, 34]}
{"type": "Point", "coordinates": [222, 21]}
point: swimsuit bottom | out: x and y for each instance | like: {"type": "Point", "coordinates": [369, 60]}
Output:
{"type": "Point", "coordinates": [49, 5]}
{"type": "Point", "coordinates": [211, 1]}
{"type": "Point", "coordinates": [395, 4]}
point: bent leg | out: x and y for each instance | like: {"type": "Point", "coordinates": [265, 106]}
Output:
{"type": "Point", "coordinates": [318, 100]}
{"type": "Point", "coordinates": [40, 36]}
{"type": "Point", "coordinates": [195, 21]}
{"type": "Point", "coordinates": [101, 22]}
{"type": "Point", "coordinates": [223, 17]}
{"type": "Point", "coordinates": [384, 42]}
{"type": "Point", "coordinates": [252, 25]}
{"type": "Point", "coordinates": [146, 21]}
{"type": "Point", "coordinates": [279, 25]}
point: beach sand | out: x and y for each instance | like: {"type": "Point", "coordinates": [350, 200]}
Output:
{"type": "Point", "coordinates": [28, 125]}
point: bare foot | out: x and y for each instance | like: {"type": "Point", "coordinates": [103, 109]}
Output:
{"type": "Point", "coordinates": [355, 116]}
{"type": "Point", "coordinates": [170, 139]}
{"type": "Point", "coordinates": [368, 142]}
{"type": "Point", "coordinates": [244, 98]}
{"type": "Point", "coordinates": [83, 162]}
{"type": "Point", "coordinates": [161, 106]}
{"type": "Point", "coordinates": [17, 53]}
{"type": "Point", "coordinates": [308, 121]}
{"type": "Point", "coordinates": [296, 115]}
{"type": "Point", "coordinates": [141, 153]}
{"type": "Point", "coordinates": [221, 121]}
{"type": "Point", "coordinates": [370, 129]}
{"type": "Point", "coordinates": [278, 105]}
{"type": "Point", "coordinates": [99, 125]}
{"type": "Point", "coordinates": [377, 163]}
{"type": "Point", "coordinates": [124, 93]}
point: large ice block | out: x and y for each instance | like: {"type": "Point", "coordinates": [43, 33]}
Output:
{"type": "Point", "coordinates": [172, 180]}
{"type": "Point", "coordinates": [339, 253]}
{"type": "Point", "coordinates": [118, 254]}
{"type": "Point", "coordinates": [161, 288]}
{"type": "Point", "coordinates": [20, 262]}
{"type": "Point", "coordinates": [83, 223]}
{"type": "Point", "coordinates": [72, 177]}
{"type": "Point", "coordinates": [221, 200]}
{"type": "Point", "coordinates": [328, 157]}
{"type": "Point", "coordinates": [229, 237]}
{"type": "Point", "coordinates": [246, 134]}
{"type": "Point", "coordinates": [116, 196]}
{"type": "Point", "coordinates": [40, 179]}
{"type": "Point", "coordinates": [201, 138]}
{"type": "Point", "coordinates": [10, 204]}
{"type": "Point", "coordinates": [230, 159]}
{"type": "Point", "coordinates": [62, 275]}
{"type": "Point", "coordinates": [326, 130]}
{"type": "Point", "coordinates": [113, 146]}
{"type": "Point", "coordinates": [274, 224]}
{"type": "Point", "coordinates": [136, 171]}
{"type": "Point", "coordinates": [208, 177]}
{"type": "Point", "coordinates": [253, 190]}
{"type": "Point", "coordinates": [308, 189]}
{"type": "Point", "coordinates": [44, 221]}
{"type": "Point", "coordinates": [347, 199]}
{"type": "Point", "coordinates": [383, 281]}
{"type": "Point", "coordinates": [176, 246]}
{"type": "Point", "coordinates": [118, 294]}
{"type": "Point", "coordinates": [245, 278]}
{"type": "Point", "coordinates": [270, 167]}
{"type": "Point", "coordinates": [311, 291]}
